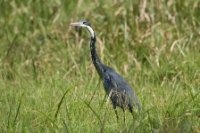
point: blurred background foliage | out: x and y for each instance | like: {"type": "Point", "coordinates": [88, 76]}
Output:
{"type": "Point", "coordinates": [154, 44]}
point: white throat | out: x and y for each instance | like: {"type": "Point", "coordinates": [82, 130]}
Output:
{"type": "Point", "coordinates": [91, 31]}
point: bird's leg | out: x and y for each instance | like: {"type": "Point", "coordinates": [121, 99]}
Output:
{"type": "Point", "coordinates": [115, 109]}
{"type": "Point", "coordinates": [131, 111]}
{"type": "Point", "coordinates": [116, 114]}
{"type": "Point", "coordinates": [124, 115]}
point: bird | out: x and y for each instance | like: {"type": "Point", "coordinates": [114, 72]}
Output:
{"type": "Point", "coordinates": [116, 87]}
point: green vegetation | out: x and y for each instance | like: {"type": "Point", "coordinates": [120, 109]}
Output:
{"type": "Point", "coordinates": [48, 82]}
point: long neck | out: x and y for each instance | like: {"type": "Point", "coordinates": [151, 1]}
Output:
{"type": "Point", "coordinates": [95, 58]}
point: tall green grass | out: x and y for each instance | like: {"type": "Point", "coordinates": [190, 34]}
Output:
{"type": "Point", "coordinates": [48, 82]}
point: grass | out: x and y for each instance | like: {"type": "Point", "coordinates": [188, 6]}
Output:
{"type": "Point", "coordinates": [48, 83]}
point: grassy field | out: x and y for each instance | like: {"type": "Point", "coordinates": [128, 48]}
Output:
{"type": "Point", "coordinates": [49, 84]}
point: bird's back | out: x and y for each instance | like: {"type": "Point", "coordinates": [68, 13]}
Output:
{"type": "Point", "coordinates": [119, 89]}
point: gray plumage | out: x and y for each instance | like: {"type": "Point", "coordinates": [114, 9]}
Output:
{"type": "Point", "coordinates": [116, 87]}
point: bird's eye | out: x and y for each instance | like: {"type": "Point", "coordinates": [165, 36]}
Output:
{"type": "Point", "coordinates": [86, 23]}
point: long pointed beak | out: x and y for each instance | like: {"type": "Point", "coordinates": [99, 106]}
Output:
{"type": "Point", "coordinates": [75, 24]}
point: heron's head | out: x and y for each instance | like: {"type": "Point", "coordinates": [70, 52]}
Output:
{"type": "Point", "coordinates": [84, 23]}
